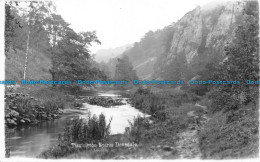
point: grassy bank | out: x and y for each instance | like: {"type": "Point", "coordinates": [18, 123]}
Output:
{"type": "Point", "coordinates": [30, 104]}
{"type": "Point", "coordinates": [233, 134]}
{"type": "Point", "coordinates": [154, 137]}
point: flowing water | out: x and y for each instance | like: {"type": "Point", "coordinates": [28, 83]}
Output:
{"type": "Point", "coordinates": [30, 141]}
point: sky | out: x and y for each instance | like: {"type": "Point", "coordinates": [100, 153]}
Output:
{"type": "Point", "coordinates": [121, 22]}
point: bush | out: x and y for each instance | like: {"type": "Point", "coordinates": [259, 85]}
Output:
{"type": "Point", "coordinates": [80, 131]}
{"type": "Point", "coordinates": [146, 101]}
{"type": "Point", "coordinates": [93, 130]}
{"type": "Point", "coordinates": [231, 135]}
{"type": "Point", "coordinates": [156, 104]}
{"type": "Point", "coordinates": [147, 132]}
{"type": "Point", "coordinates": [137, 129]}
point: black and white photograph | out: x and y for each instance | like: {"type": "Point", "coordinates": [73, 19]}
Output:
{"type": "Point", "coordinates": [130, 79]}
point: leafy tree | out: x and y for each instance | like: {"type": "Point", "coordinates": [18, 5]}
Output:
{"type": "Point", "coordinates": [11, 24]}
{"type": "Point", "coordinates": [71, 58]}
{"type": "Point", "coordinates": [205, 74]}
{"type": "Point", "coordinates": [56, 27]}
{"type": "Point", "coordinates": [234, 123]}
{"type": "Point", "coordinates": [45, 31]}
{"type": "Point", "coordinates": [124, 70]}
{"type": "Point", "coordinates": [34, 16]}
{"type": "Point", "coordinates": [177, 69]}
{"type": "Point", "coordinates": [241, 63]}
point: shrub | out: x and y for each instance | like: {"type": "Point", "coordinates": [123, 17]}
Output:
{"type": "Point", "coordinates": [81, 131]}
{"type": "Point", "coordinates": [142, 130]}
{"type": "Point", "coordinates": [85, 131]}
{"type": "Point", "coordinates": [137, 129]}
{"type": "Point", "coordinates": [231, 135]}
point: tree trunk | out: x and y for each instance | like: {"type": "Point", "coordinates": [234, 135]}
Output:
{"type": "Point", "coordinates": [53, 76]}
{"type": "Point", "coordinates": [26, 55]}
{"type": "Point", "coordinates": [28, 43]}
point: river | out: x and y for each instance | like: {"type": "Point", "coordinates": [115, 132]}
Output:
{"type": "Point", "coordinates": [30, 141]}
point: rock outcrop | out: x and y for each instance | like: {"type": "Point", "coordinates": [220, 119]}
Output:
{"type": "Point", "coordinates": [197, 39]}
{"type": "Point", "coordinates": [201, 35]}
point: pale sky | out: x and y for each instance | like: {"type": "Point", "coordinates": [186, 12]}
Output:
{"type": "Point", "coordinates": [120, 22]}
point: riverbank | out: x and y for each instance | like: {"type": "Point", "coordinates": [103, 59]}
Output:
{"type": "Point", "coordinates": [23, 108]}
{"type": "Point", "coordinates": [155, 137]}
{"type": "Point", "coordinates": [30, 106]}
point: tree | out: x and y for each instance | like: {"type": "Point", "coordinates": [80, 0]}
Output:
{"type": "Point", "coordinates": [57, 30]}
{"type": "Point", "coordinates": [11, 24]}
{"type": "Point", "coordinates": [177, 68]}
{"type": "Point", "coordinates": [71, 58]}
{"type": "Point", "coordinates": [36, 15]}
{"type": "Point", "coordinates": [124, 70]}
{"type": "Point", "coordinates": [242, 63]}
{"type": "Point", "coordinates": [47, 32]}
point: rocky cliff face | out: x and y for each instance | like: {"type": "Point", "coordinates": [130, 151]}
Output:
{"type": "Point", "coordinates": [204, 28]}
{"type": "Point", "coordinates": [185, 47]}
{"type": "Point", "coordinates": [201, 35]}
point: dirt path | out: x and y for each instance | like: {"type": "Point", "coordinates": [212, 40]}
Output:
{"type": "Point", "coordinates": [204, 107]}
{"type": "Point", "coordinates": [191, 114]}
{"type": "Point", "coordinates": [188, 144]}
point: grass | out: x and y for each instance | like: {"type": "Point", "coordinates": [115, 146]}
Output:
{"type": "Point", "coordinates": [154, 103]}
{"type": "Point", "coordinates": [229, 135]}
{"type": "Point", "coordinates": [90, 131]}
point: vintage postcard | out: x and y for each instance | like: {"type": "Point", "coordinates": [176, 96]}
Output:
{"type": "Point", "coordinates": [130, 79]}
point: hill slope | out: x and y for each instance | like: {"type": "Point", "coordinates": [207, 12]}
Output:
{"type": "Point", "coordinates": [185, 47]}
{"type": "Point", "coordinates": [106, 54]}
{"type": "Point", "coordinates": [38, 65]}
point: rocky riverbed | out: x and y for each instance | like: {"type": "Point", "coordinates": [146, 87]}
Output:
{"type": "Point", "coordinates": [104, 101]}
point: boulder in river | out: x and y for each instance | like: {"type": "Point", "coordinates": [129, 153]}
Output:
{"type": "Point", "coordinates": [104, 101]}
